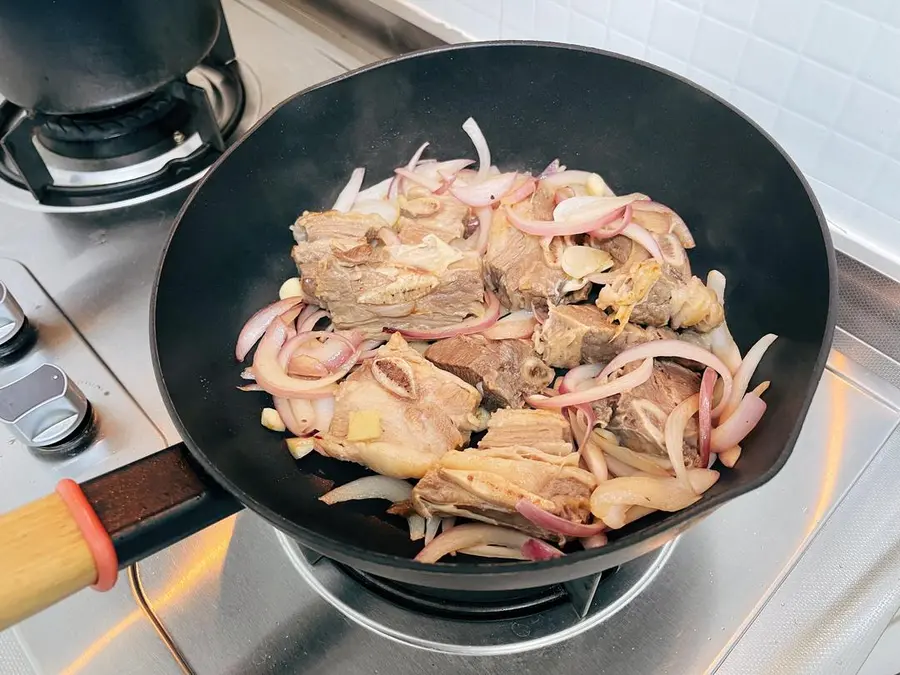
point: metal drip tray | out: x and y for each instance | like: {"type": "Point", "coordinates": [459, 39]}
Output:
{"type": "Point", "coordinates": [506, 625]}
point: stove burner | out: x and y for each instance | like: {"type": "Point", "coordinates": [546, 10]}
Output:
{"type": "Point", "coordinates": [493, 623]}
{"type": "Point", "coordinates": [142, 147]}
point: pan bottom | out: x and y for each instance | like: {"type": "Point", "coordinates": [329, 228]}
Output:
{"type": "Point", "coordinates": [483, 624]}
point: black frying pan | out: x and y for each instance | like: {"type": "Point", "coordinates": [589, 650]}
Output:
{"type": "Point", "coordinates": [751, 212]}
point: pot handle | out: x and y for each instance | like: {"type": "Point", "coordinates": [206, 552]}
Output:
{"type": "Point", "coordinates": [83, 534]}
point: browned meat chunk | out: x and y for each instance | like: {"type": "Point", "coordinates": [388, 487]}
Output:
{"type": "Point", "coordinates": [640, 414]}
{"type": "Point", "coordinates": [369, 286]}
{"type": "Point", "coordinates": [657, 295]}
{"type": "Point", "coordinates": [575, 334]}
{"type": "Point", "coordinates": [506, 371]}
{"type": "Point", "coordinates": [516, 268]}
{"type": "Point", "coordinates": [315, 226]}
{"type": "Point", "coordinates": [486, 484]}
{"type": "Point", "coordinates": [398, 413]}
{"type": "Point", "coordinates": [423, 213]}
{"type": "Point", "coordinates": [545, 430]}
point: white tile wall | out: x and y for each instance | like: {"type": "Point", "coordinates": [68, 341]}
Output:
{"type": "Point", "coordinates": [823, 76]}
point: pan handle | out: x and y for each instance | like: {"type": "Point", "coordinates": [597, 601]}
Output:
{"type": "Point", "coordinates": [83, 534]}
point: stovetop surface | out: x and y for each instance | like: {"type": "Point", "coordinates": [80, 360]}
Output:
{"type": "Point", "coordinates": [239, 598]}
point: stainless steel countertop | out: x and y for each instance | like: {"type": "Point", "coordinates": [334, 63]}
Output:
{"type": "Point", "coordinates": [754, 575]}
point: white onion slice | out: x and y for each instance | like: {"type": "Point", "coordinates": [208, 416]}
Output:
{"type": "Point", "coordinates": [549, 228]}
{"type": "Point", "coordinates": [519, 324]}
{"type": "Point", "coordinates": [580, 261]}
{"type": "Point", "coordinates": [740, 423]}
{"type": "Point", "coordinates": [470, 535]}
{"type": "Point", "coordinates": [370, 487]}
{"type": "Point", "coordinates": [662, 494]}
{"type": "Point", "coordinates": [416, 527]}
{"type": "Point", "coordinates": [641, 236]}
{"type": "Point", "coordinates": [432, 184]}
{"type": "Point", "coordinates": [495, 551]}
{"type": "Point", "coordinates": [674, 435]}
{"type": "Point", "coordinates": [486, 192]}
{"type": "Point", "coordinates": [388, 210]}
{"type": "Point", "coordinates": [675, 349]}
{"type": "Point", "coordinates": [375, 192]}
{"type": "Point", "coordinates": [485, 220]}
{"type": "Point", "coordinates": [536, 549]}
{"type": "Point", "coordinates": [432, 525]}
{"type": "Point", "coordinates": [644, 463]}
{"type": "Point", "coordinates": [730, 457]}
{"type": "Point", "coordinates": [626, 382]}
{"type": "Point", "coordinates": [300, 447]}
{"type": "Point", "coordinates": [744, 373]}
{"type": "Point", "coordinates": [257, 324]}
{"type": "Point", "coordinates": [475, 324]}
{"type": "Point", "coordinates": [595, 541]}
{"type": "Point", "coordinates": [560, 179]}
{"type": "Point", "coordinates": [323, 409]}
{"type": "Point", "coordinates": [470, 126]}
{"type": "Point", "coordinates": [588, 209]}
{"type": "Point", "coordinates": [348, 195]}
{"type": "Point", "coordinates": [524, 188]}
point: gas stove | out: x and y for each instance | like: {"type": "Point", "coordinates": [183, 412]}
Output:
{"type": "Point", "coordinates": [751, 589]}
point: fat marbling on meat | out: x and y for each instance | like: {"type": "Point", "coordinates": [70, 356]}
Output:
{"type": "Point", "coordinates": [368, 285]}
{"type": "Point", "coordinates": [575, 334]}
{"type": "Point", "coordinates": [544, 430]}
{"type": "Point", "coordinates": [505, 371]}
{"type": "Point", "coordinates": [639, 418]}
{"type": "Point", "coordinates": [486, 484]}
{"type": "Point", "coordinates": [420, 412]}
{"type": "Point", "coordinates": [517, 270]}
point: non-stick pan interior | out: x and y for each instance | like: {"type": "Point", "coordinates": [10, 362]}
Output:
{"type": "Point", "coordinates": [642, 129]}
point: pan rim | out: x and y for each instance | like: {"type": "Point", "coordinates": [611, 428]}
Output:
{"type": "Point", "coordinates": [658, 533]}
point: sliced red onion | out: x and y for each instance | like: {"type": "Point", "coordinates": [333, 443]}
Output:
{"type": "Point", "coordinates": [674, 349]}
{"type": "Point", "coordinates": [370, 487]}
{"type": "Point", "coordinates": [733, 399]}
{"type": "Point", "coordinates": [730, 457]}
{"type": "Point", "coordinates": [369, 348]}
{"type": "Point", "coordinates": [444, 172]}
{"type": "Point", "coordinates": [470, 126]}
{"type": "Point", "coordinates": [553, 523]}
{"type": "Point", "coordinates": [578, 376]}
{"type": "Point", "coordinates": [524, 188]}
{"type": "Point", "coordinates": [299, 345]}
{"type": "Point", "coordinates": [431, 184]}
{"type": "Point", "coordinates": [621, 384]}
{"type": "Point", "coordinates": [590, 452]}
{"type": "Point", "coordinates": [485, 220]}
{"type": "Point", "coordinates": [257, 324]}
{"type": "Point", "coordinates": [348, 195]}
{"type": "Point", "coordinates": [474, 324]}
{"type": "Point", "coordinates": [590, 209]}
{"type": "Point", "coordinates": [310, 322]}
{"type": "Point", "coordinates": [272, 377]}
{"type": "Point", "coordinates": [537, 550]}
{"type": "Point", "coordinates": [394, 187]}
{"type": "Point", "coordinates": [297, 427]}
{"type": "Point", "coordinates": [615, 228]}
{"type": "Point", "coordinates": [707, 385]}
{"type": "Point", "coordinates": [562, 178]}
{"type": "Point", "coordinates": [432, 525]}
{"type": "Point", "coordinates": [674, 435]}
{"type": "Point", "coordinates": [519, 324]}
{"type": "Point", "coordinates": [676, 226]}
{"type": "Point", "coordinates": [307, 311]}
{"type": "Point", "coordinates": [595, 541]}
{"type": "Point", "coordinates": [549, 228]}
{"type": "Point", "coordinates": [486, 192]}
{"type": "Point", "coordinates": [639, 235]}
{"type": "Point", "coordinates": [470, 535]}
{"type": "Point", "coordinates": [417, 155]}
{"type": "Point", "coordinates": [552, 168]}
{"type": "Point", "coordinates": [250, 387]}
{"type": "Point", "coordinates": [741, 422]}
{"type": "Point", "coordinates": [323, 409]}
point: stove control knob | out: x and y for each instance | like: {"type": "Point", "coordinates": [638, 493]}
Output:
{"type": "Point", "coordinates": [16, 334]}
{"type": "Point", "coordinates": [47, 411]}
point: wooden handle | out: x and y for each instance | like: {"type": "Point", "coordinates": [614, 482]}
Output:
{"type": "Point", "coordinates": [43, 558]}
